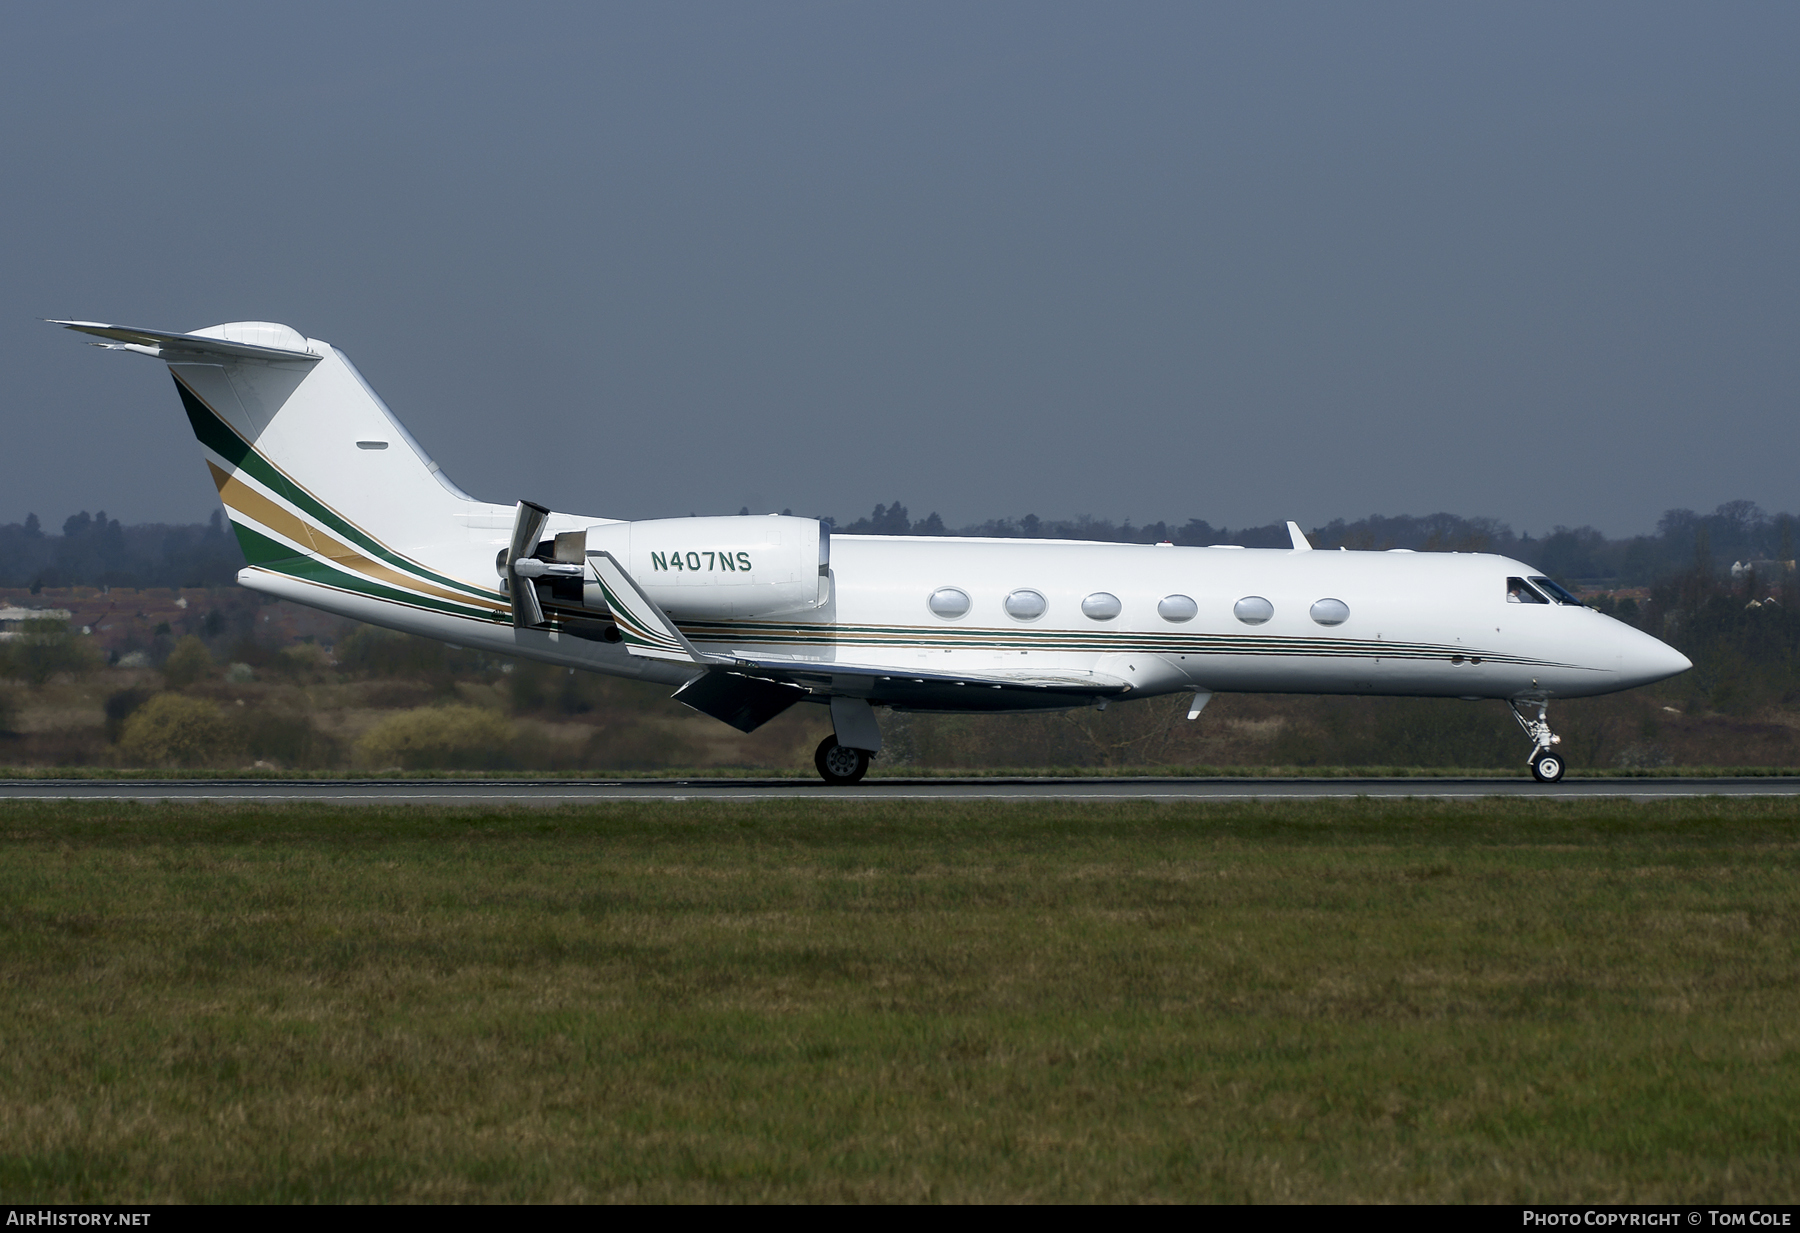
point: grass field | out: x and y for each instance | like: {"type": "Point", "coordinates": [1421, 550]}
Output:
{"type": "Point", "coordinates": [1523, 1001]}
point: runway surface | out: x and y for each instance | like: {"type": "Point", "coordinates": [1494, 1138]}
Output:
{"type": "Point", "coordinates": [566, 792]}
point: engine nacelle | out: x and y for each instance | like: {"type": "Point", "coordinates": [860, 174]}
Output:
{"type": "Point", "coordinates": [699, 569]}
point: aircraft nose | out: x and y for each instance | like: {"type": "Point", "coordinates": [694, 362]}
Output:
{"type": "Point", "coordinates": [1643, 659]}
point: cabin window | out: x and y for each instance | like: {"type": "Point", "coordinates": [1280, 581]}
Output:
{"type": "Point", "coordinates": [1557, 593]}
{"type": "Point", "coordinates": [1253, 610]}
{"type": "Point", "coordinates": [1177, 608]}
{"type": "Point", "coordinates": [948, 602]}
{"type": "Point", "coordinates": [1519, 591]}
{"type": "Point", "coordinates": [1026, 605]}
{"type": "Point", "coordinates": [1331, 612]}
{"type": "Point", "coordinates": [1101, 607]}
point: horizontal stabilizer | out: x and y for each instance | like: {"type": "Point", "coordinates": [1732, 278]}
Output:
{"type": "Point", "coordinates": [644, 628]}
{"type": "Point", "coordinates": [744, 702]}
{"type": "Point", "coordinates": [170, 346]}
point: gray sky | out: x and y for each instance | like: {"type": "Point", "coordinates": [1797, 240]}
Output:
{"type": "Point", "coordinates": [1243, 263]}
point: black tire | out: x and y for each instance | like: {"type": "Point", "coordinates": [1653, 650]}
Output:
{"type": "Point", "coordinates": [1547, 767]}
{"type": "Point", "coordinates": [840, 764]}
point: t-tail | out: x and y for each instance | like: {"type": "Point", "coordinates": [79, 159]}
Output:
{"type": "Point", "coordinates": [336, 506]}
{"type": "Point", "coordinates": [323, 485]}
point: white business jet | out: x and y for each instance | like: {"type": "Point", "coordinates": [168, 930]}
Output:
{"type": "Point", "coordinates": [338, 507]}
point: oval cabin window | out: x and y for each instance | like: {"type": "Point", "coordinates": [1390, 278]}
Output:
{"type": "Point", "coordinates": [1177, 608]}
{"type": "Point", "coordinates": [1331, 612]}
{"type": "Point", "coordinates": [948, 602]}
{"type": "Point", "coordinates": [1101, 606]}
{"type": "Point", "coordinates": [1253, 610]}
{"type": "Point", "coordinates": [1026, 605]}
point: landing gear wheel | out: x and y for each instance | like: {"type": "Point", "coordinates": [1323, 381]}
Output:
{"type": "Point", "coordinates": [840, 764]}
{"type": "Point", "coordinates": [1547, 767]}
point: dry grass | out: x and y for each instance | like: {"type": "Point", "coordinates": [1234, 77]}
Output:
{"type": "Point", "coordinates": [303, 713]}
{"type": "Point", "coordinates": [1518, 1001]}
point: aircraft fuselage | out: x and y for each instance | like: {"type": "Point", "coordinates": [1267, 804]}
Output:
{"type": "Point", "coordinates": [1421, 624]}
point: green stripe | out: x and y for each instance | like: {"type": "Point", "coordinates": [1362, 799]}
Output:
{"type": "Point", "coordinates": [313, 570]}
{"type": "Point", "coordinates": [213, 434]}
{"type": "Point", "coordinates": [259, 549]}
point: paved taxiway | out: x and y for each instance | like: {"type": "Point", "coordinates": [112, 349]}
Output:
{"type": "Point", "coordinates": [575, 792]}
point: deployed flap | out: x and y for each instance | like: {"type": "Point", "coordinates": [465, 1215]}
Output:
{"type": "Point", "coordinates": [643, 627]}
{"type": "Point", "coordinates": [744, 702]}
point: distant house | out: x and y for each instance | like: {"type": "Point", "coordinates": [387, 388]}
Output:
{"type": "Point", "coordinates": [13, 620]}
{"type": "Point", "coordinates": [1762, 569]}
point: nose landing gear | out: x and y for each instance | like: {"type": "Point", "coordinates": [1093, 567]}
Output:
{"type": "Point", "coordinates": [1547, 765]}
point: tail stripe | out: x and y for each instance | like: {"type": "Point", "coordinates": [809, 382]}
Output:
{"type": "Point", "coordinates": [219, 437]}
{"type": "Point", "coordinates": [252, 504]}
{"type": "Point", "coordinates": [321, 573]}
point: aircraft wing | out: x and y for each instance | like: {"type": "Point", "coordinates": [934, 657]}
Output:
{"type": "Point", "coordinates": [748, 691]}
{"type": "Point", "coordinates": [859, 678]}
{"type": "Point", "coordinates": [906, 689]}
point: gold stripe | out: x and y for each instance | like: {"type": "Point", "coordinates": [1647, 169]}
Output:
{"type": "Point", "coordinates": [258, 508]}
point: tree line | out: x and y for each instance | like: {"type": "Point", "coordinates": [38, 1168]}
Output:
{"type": "Point", "coordinates": [1736, 533]}
{"type": "Point", "coordinates": [94, 550]}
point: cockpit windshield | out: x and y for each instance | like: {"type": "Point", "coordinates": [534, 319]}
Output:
{"type": "Point", "coordinates": [1518, 591]}
{"type": "Point", "coordinates": [1557, 593]}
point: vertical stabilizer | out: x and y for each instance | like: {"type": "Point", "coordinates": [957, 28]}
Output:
{"type": "Point", "coordinates": [320, 480]}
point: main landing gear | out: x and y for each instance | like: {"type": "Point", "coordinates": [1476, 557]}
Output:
{"type": "Point", "coordinates": [840, 764]}
{"type": "Point", "coordinates": [843, 757]}
{"type": "Point", "coordinates": [1547, 765]}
